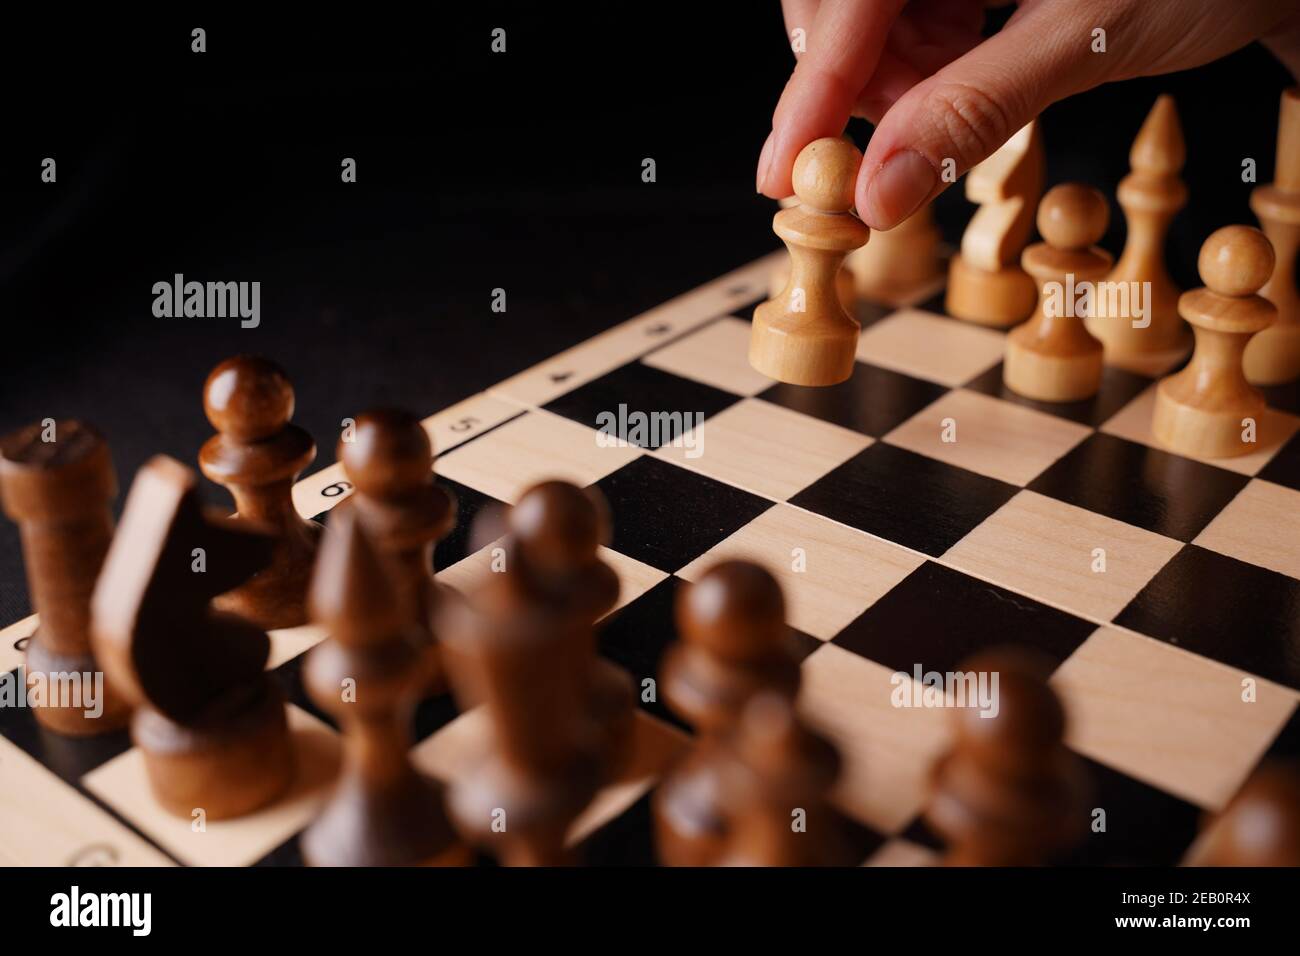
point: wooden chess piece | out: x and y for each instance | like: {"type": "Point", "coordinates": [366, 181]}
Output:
{"type": "Point", "coordinates": [57, 483]}
{"type": "Point", "coordinates": [1053, 357]}
{"type": "Point", "coordinates": [985, 281]}
{"type": "Point", "coordinates": [389, 459]}
{"type": "Point", "coordinates": [895, 266]}
{"type": "Point", "coordinates": [734, 646]}
{"type": "Point", "coordinates": [1009, 792]}
{"type": "Point", "coordinates": [369, 674]}
{"type": "Point", "coordinates": [844, 285]}
{"type": "Point", "coordinates": [209, 719]}
{"type": "Point", "coordinates": [1208, 409]}
{"type": "Point", "coordinates": [553, 560]}
{"type": "Point", "coordinates": [524, 648]}
{"type": "Point", "coordinates": [1273, 356]}
{"type": "Point", "coordinates": [805, 336]}
{"type": "Point", "coordinates": [778, 779]}
{"type": "Point", "coordinates": [257, 454]}
{"type": "Point", "coordinates": [1151, 196]}
{"type": "Point", "coordinates": [539, 768]}
{"type": "Point", "coordinates": [1259, 827]}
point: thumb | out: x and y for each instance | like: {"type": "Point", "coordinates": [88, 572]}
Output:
{"type": "Point", "coordinates": [968, 109]}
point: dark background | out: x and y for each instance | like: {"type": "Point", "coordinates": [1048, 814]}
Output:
{"type": "Point", "coordinates": [475, 171]}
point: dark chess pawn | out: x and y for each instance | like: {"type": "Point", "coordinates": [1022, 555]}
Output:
{"type": "Point", "coordinates": [734, 645]}
{"type": "Point", "coordinates": [540, 765]}
{"type": "Point", "coordinates": [258, 454]}
{"type": "Point", "coordinates": [57, 483]}
{"type": "Point", "coordinates": [777, 780]}
{"type": "Point", "coordinates": [523, 647]}
{"type": "Point", "coordinates": [389, 460]}
{"type": "Point", "coordinates": [209, 719]}
{"type": "Point", "coordinates": [553, 562]}
{"type": "Point", "coordinates": [1259, 827]}
{"type": "Point", "coordinates": [1009, 792]}
{"type": "Point", "coordinates": [369, 674]}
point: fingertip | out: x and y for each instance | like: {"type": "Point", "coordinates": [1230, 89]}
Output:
{"type": "Point", "coordinates": [775, 179]}
{"type": "Point", "coordinates": [765, 162]}
{"type": "Point", "coordinates": [895, 189]}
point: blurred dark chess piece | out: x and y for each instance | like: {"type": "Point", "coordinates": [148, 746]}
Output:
{"type": "Point", "coordinates": [1009, 792]}
{"type": "Point", "coordinates": [57, 484]}
{"type": "Point", "coordinates": [369, 674]}
{"type": "Point", "coordinates": [734, 644]}
{"type": "Point", "coordinates": [209, 719]}
{"type": "Point", "coordinates": [777, 781]}
{"type": "Point", "coordinates": [1260, 825]}
{"type": "Point", "coordinates": [524, 648]}
{"type": "Point", "coordinates": [257, 454]}
{"type": "Point", "coordinates": [389, 460]}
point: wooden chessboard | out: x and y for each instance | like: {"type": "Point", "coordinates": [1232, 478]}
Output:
{"type": "Point", "coordinates": [896, 548]}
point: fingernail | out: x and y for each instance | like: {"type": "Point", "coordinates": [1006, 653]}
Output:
{"type": "Point", "coordinates": [898, 189]}
{"type": "Point", "coordinates": [765, 160]}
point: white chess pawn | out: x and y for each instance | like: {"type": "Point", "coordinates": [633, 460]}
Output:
{"type": "Point", "coordinates": [804, 336]}
{"type": "Point", "coordinates": [1208, 409]}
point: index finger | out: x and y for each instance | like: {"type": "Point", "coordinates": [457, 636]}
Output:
{"type": "Point", "coordinates": [844, 47]}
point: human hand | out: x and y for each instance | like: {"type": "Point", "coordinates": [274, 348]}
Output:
{"type": "Point", "coordinates": [937, 90]}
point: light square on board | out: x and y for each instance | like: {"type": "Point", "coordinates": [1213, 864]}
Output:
{"type": "Point", "coordinates": [989, 436]}
{"type": "Point", "coordinates": [1044, 547]}
{"type": "Point", "coordinates": [887, 750]}
{"type": "Point", "coordinates": [13, 642]}
{"type": "Point", "coordinates": [901, 852]}
{"type": "Point", "coordinates": [124, 786]}
{"type": "Point", "coordinates": [765, 448]}
{"type": "Point", "coordinates": [842, 571]}
{"type": "Point", "coordinates": [451, 753]}
{"type": "Point", "coordinates": [716, 355]}
{"type": "Point", "coordinates": [931, 347]}
{"type": "Point", "coordinates": [1171, 718]}
{"type": "Point", "coordinates": [536, 447]}
{"type": "Point", "coordinates": [1261, 525]}
{"type": "Point", "coordinates": [1133, 422]}
{"type": "Point", "coordinates": [45, 822]}
{"type": "Point", "coordinates": [288, 642]}
{"type": "Point", "coordinates": [634, 578]}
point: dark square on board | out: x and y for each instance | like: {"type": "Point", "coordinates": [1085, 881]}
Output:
{"type": "Point", "coordinates": [1118, 388]}
{"type": "Point", "coordinates": [1286, 745]}
{"type": "Point", "coordinates": [470, 504]}
{"type": "Point", "coordinates": [636, 636]}
{"type": "Point", "coordinates": [1284, 467]}
{"type": "Point", "coordinates": [1216, 606]}
{"type": "Point", "coordinates": [873, 401]}
{"type": "Point", "coordinates": [1141, 486]}
{"type": "Point", "coordinates": [637, 387]}
{"type": "Point", "coordinates": [1285, 398]}
{"type": "Point", "coordinates": [901, 496]}
{"type": "Point", "coordinates": [666, 516]}
{"type": "Point", "coordinates": [937, 617]}
{"type": "Point", "coordinates": [1144, 826]}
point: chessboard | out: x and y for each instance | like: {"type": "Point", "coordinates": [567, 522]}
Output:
{"type": "Point", "coordinates": [915, 514]}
